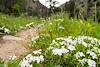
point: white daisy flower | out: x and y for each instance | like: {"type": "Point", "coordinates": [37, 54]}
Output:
{"type": "Point", "coordinates": [38, 59]}
{"type": "Point", "coordinates": [71, 48]}
{"type": "Point", "coordinates": [37, 51]}
{"type": "Point", "coordinates": [91, 63]}
{"type": "Point", "coordinates": [79, 55]}
{"type": "Point", "coordinates": [60, 52]}
{"type": "Point", "coordinates": [94, 56]}
{"type": "Point", "coordinates": [83, 61]}
{"type": "Point", "coordinates": [25, 63]}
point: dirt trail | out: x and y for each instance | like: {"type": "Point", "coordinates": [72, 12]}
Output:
{"type": "Point", "coordinates": [16, 45]}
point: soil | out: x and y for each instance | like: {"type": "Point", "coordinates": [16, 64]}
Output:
{"type": "Point", "coordinates": [17, 45]}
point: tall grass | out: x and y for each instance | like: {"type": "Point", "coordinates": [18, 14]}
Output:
{"type": "Point", "coordinates": [14, 24]}
{"type": "Point", "coordinates": [62, 25]}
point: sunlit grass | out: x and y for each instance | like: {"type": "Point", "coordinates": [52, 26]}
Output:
{"type": "Point", "coordinates": [14, 24]}
{"type": "Point", "coordinates": [56, 26]}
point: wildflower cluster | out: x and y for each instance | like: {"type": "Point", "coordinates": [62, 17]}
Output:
{"type": "Point", "coordinates": [31, 58]}
{"type": "Point", "coordinates": [84, 49]}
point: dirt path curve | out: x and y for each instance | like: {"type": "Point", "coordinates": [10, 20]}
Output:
{"type": "Point", "coordinates": [16, 45]}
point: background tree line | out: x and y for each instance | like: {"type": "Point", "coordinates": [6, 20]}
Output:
{"type": "Point", "coordinates": [76, 8]}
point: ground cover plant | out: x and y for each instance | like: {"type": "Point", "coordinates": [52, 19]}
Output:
{"type": "Point", "coordinates": [12, 25]}
{"type": "Point", "coordinates": [63, 42]}
{"type": "Point", "coordinates": [81, 51]}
